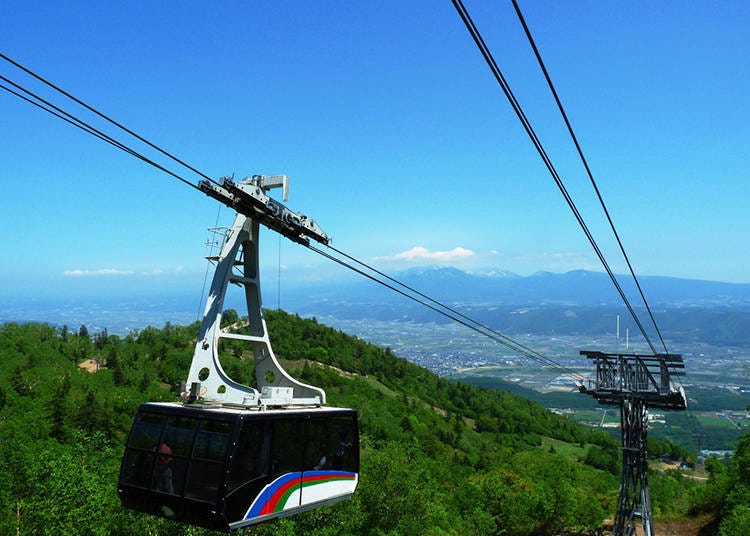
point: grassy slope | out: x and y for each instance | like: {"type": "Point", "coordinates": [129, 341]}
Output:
{"type": "Point", "coordinates": [438, 457]}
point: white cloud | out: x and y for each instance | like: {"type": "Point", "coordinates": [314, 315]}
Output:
{"type": "Point", "coordinates": [156, 272]}
{"type": "Point", "coordinates": [422, 253]}
{"type": "Point", "coordinates": [103, 271]}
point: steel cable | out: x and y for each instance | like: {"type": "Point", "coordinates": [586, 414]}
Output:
{"type": "Point", "coordinates": [438, 306]}
{"type": "Point", "coordinates": [586, 166]}
{"type": "Point", "coordinates": [103, 116]}
{"type": "Point", "coordinates": [450, 313]}
{"type": "Point", "coordinates": [490, 60]}
{"type": "Point", "coordinates": [76, 122]}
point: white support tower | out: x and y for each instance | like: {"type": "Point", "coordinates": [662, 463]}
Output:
{"type": "Point", "coordinates": [237, 263]}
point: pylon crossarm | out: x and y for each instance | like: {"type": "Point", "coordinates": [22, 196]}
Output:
{"type": "Point", "coordinates": [647, 376]}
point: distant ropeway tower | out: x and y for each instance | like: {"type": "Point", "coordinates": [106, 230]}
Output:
{"type": "Point", "coordinates": [635, 382]}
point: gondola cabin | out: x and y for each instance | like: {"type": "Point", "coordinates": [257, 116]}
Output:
{"type": "Point", "coordinates": [233, 455]}
{"type": "Point", "coordinates": [225, 469]}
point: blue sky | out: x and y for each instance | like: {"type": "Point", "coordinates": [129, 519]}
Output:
{"type": "Point", "coordinates": [397, 140]}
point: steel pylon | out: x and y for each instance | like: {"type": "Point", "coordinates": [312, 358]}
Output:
{"type": "Point", "coordinates": [635, 382]}
{"type": "Point", "coordinates": [634, 500]}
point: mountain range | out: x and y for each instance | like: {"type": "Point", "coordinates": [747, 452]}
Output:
{"type": "Point", "coordinates": [574, 303]}
{"type": "Point", "coordinates": [574, 288]}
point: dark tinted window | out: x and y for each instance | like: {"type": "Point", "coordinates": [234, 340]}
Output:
{"type": "Point", "coordinates": [171, 455]}
{"type": "Point", "coordinates": [146, 431]}
{"type": "Point", "coordinates": [286, 447]}
{"type": "Point", "coordinates": [137, 467]}
{"type": "Point", "coordinates": [252, 455]}
{"type": "Point", "coordinates": [205, 480]}
{"type": "Point", "coordinates": [220, 427]}
{"type": "Point", "coordinates": [179, 435]}
{"type": "Point", "coordinates": [346, 445]}
{"type": "Point", "coordinates": [207, 462]}
{"type": "Point", "coordinates": [319, 448]}
{"type": "Point", "coordinates": [169, 475]}
{"type": "Point", "coordinates": [212, 441]}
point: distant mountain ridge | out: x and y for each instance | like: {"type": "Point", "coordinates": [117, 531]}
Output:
{"type": "Point", "coordinates": [576, 302]}
{"type": "Point", "coordinates": [573, 288]}
{"type": "Point", "coordinates": [579, 302]}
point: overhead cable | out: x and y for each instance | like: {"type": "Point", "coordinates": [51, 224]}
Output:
{"type": "Point", "coordinates": [405, 290]}
{"type": "Point", "coordinates": [56, 114]}
{"type": "Point", "coordinates": [586, 166]}
{"type": "Point", "coordinates": [48, 107]}
{"type": "Point", "coordinates": [450, 313]}
{"type": "Point", "coordinates": [515, 344]}
{"type": "Point", "coordinates": [490, 60]}
{"type": "Point", "coordinates": [103, 116]}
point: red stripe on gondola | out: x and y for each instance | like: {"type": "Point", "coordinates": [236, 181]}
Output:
{"type": "Point", "coordinates": [270, 506]}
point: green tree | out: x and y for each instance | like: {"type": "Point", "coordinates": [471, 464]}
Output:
{"type": "Point", "coordinates": [737, 523]}
{"type": "Point", "coordinates": [425, 467]}
{"type": "Point", "coordinates": [229, 317]}
{"type": "Point", "coordinates": [398, 490]}
{"type": "Point", "coordinates": [57, 407]}
{"type": "Point", "coordinates": [87, 414]}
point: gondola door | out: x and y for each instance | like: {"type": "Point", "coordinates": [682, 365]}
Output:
{"type": "Point", "coordinates": [331, 463]}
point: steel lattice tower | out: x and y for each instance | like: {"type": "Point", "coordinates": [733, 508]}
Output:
{"type": "Point", "coordinates": [635, 383]}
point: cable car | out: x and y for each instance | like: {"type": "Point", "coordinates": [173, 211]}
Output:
{"type": "Point", "coordinates": [224, 469]}
{"type": "Point", "coordinates": [231, 455]}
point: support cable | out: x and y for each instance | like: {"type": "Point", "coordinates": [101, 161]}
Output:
{"type": "Point", "coordinates": [79, 123]}
{"type": "Point", "coordinates": [490, 60]}
{"type": "Point", "coordinates": [453, 311]}
{"type": "Point", "coordinates": [438, 307]}
{"type": "Point", "coordinates": [103, 116]}
{"type": "Point", "coordinates": [58, 115]}
{"type": "Point", "coordinates": [452, 315]}
{"type": "Point", "coordinates": [586, 166]}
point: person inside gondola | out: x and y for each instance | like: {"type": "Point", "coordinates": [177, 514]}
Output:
{"type": "Point", "coordinates": [341, 449]}
{"type": "Point", "coordinates": [163, 474]}
{"type": "Point", "coordinates": [322, 463]}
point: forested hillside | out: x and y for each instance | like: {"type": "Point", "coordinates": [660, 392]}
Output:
{"type": "Point", "coordinates": [438, 457]}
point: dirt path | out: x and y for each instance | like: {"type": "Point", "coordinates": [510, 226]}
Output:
{"type": "Point", "coordinates": [701, 526]}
